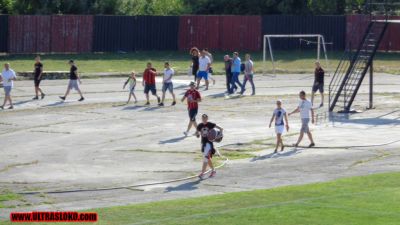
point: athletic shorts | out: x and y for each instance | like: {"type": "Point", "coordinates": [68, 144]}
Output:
{"type": "Point", "coordinates": [150, 87]}
{"type": "Point", "coordinates": [318, 87]}
{"type": "Point", "coordinates": [168, 86]}
{"type": "Point", "coordinates": [131, 90]}
{"type": "Point", "coordinates": [279, 129]}
{"type": "Point", "coordinates": [36, 81]}
{"type": "Point", "coordinates": [304, 125]}
{"type": "Point", "coordinates": [73, 84]}
{"type": "Point", "coordinates": [208, 150]}
{"type": "Point", "coordinates": [202, 74]}
{"type": "Point", "coordinates": [7, 90]}
{"type": "Point", "coordinates": [192, 114]}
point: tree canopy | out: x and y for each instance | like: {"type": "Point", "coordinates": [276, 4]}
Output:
{"type": "Point", "coordinates": [179, 7]}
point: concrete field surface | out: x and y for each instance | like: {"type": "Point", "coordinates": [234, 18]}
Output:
{"type": "Point", "coordinates": [49, 145]}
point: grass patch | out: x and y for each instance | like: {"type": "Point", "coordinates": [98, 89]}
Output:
{"type": "Point", "coordinates": [364, 200]}
{"type": "Point", "coordinates": [286, 61]}
{"type": "Point", "coordinates": [8, 196]}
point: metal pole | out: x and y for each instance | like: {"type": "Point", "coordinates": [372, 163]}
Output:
{"type": "Point", "coordinates": [371, 86]}
{"type": "Point", "coordinates": [326, 56]}
{"type": "Point", "coordinates": [272, 56]}
{"type": "Point", "coordinates": [319, 47]}
{"type": "Point", "coordinates": [264, 57]}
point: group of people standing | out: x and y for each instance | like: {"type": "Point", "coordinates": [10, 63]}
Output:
{"type": "Point", "coordinates": [201, 68]}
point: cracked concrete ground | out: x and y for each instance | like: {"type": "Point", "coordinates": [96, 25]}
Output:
{"type": "Point", "coordinates": [101, 142]}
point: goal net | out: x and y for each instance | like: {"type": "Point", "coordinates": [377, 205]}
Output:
{"type": "Point", "coordinates": [267, 48]}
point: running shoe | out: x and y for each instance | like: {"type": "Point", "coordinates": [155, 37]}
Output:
{"type": "Point", "coordinates": [81, 99]}
{"type": "Point", "coordinates": [147, 103]}
{"type": "Point", "coordinates": [158, 99]}
{"type": "Point", "coordinates": [213, 173]}
{"type": "Point", "coordinates": [201, 176]}
{"type": "Point", "coordinates": [311, 145]}
{"type": "Point", "coordinates": [11, 107]}
{"type": "Point", "coordinates": [62, 98]}
{"type": "Point", "coordinates": [43, 95]}
{"type": "Point", "coordinates": [161, 104]}
{"type": "Point", "coordinates": [173, 103]}
{"type": "Point", "coordinates": [35, 98]}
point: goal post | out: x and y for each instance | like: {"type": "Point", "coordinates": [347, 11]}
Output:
{"type": "Point", "coordinates": [267, 45]}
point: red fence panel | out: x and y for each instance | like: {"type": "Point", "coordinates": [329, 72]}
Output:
{"type": "Point", "coordinates": [71, 33]}
{"type": "Point", "coordinates": [16, 34]}
{"type": "Point", "coordinates": [357, 24]}
{"type": "Point", "coordinates": [30, 34]}
{"type": "Point", "coordinates": [199, 31]}
{"type": "Point", "coordinates": [85, 39]}
{"type": "Point", "coordinates": [57, 34]}
{"type": "Point", "coordinates": [43, 28]}
{"type": "Point", "coordinates": [240, 33]}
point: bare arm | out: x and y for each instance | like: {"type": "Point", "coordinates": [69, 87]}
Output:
{"type": "Point", "coordinates": [312, 115]}
{"type": "Point", "coordinates": [295, 111]}
{"type": "Point", "coordinates": [272, 120]}
{"type": "Point", "coordinates": [219, 128]}
{"type": "Point", "coordinates": [287, 122]}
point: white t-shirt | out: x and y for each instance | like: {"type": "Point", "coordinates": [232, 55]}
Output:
{"type": "Point", "coordinates": [305, 108]}
{"type": "Point", "coordinates": [203, 63]}
{"type": "Point", "coordinates": [168, 73]}
{"type": "Point", "coordinates": [7, 75]}
{"type": "Point", "coordinates": [279, 114]}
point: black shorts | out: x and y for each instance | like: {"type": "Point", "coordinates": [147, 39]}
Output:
{"type": "Point", "coordinates": [36, 81]}
{"type": "Point", "coordinates": [318, 87]}
{"type": "Point", "coordinates": [192, 114]}
{"type": "Point", "coordinates": [150, 87]}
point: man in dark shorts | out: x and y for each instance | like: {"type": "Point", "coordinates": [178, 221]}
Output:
{"type": "Point", "coordinates": [228, 73]}
{"type": "Point", "coordinates": [149, 83]}
{"type": "Point", "coordinates": [38, 72]}
{"type": "Point", "coordinates": [74, 81]}
{"type": "Point", "coordinates": [207, 147]}
{"type": "Point", "coordinates": [193, 98]}
{"type": "Point", "coordinates": [318, 85]}
{"type": "Point", "coordinates": [195, 52]}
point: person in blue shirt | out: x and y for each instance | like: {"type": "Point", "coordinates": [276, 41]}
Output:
{"type": "Point", "coordinates": [236, 62]}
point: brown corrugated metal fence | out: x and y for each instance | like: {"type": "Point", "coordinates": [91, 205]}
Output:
{"type": "Point", "coordinates": [30, 34]}
{"type": "Point", "coordinates": [357, 24]}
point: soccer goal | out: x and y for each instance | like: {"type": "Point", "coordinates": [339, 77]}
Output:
{"type": "Point", "coordinates": [267, 45]}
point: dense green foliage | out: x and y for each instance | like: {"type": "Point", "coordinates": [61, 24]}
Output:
{"type": "Point", "coordinates": [178, 7]}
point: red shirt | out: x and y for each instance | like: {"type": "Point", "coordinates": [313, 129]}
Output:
{"type": "Point", "coordinates": [192, 95]}
{"type": "Point", "coordinates": [149, 76]}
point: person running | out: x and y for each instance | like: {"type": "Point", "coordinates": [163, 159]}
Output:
{"type": "Point", "coordinates": [210, 71]}
{"type": "Point", "coordinates": [38, 72]}
{"type": "Point", "coordinates": [149, 83]}
{"type": "Point", "coordinates": [7, 77]}
{"type": "Point", "coordinates": [236, 62]}
{"type": "Point", "coordinates": [305, 107]}
{"type": "Point", "coordinates": [193, 98]}
{"type": "Point", "coordinates": [74, 81]}
{"type": "Point", "coordinates": [279, 115]}
{"type": "Point", "coordinates": [207, 147]}
{"type": "Point", "coordinates": [248, 74]}
{"type": "Point", "coordinates": [132, 84]}
{"type": "Point", "coordinates": [228, 73]}
{"type": "Point", "coordinates": [204, 67]}
{"type": "Point", "coordinates": [318, 85]}
{"type": "Point", "coordinates": [194, 52]}
{"type": "Point", "coordinates": [167, 83]}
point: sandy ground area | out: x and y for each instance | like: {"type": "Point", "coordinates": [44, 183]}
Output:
{"type": "Point", "coordinates": [50, 145]}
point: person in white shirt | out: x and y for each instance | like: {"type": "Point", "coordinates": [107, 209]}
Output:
{"type": "Point", "coordinates": [305, 107]}
{"type": "Point", "coordinates": [7, 77]}
{"type": "Point", "coordinates": [210, 71]}
{"type": "Point", "coordinates": [167, 83]}
{"type": "Point", "coordinates": [204, 67]}
{"type": "Point", "coordinates": [279, 115]}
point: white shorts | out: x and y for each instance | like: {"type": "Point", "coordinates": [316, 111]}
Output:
{"type": "Point", "coordinates": [279, 129]}
{"type": "Point", "coordinates": [207, 150]}
{"type": "Point", "coordinates": [73, 84]}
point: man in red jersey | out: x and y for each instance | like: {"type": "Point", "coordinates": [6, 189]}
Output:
{"type": "Point", "coordinates": [193, 98]}
{"type": "Point", "coordinates": [149, 82]}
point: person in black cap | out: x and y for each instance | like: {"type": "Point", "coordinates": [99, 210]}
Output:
{"type": "Point", "coordinates": [74, 81]}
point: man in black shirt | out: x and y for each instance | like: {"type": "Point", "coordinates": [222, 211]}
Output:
{"type": "Point", "coordinates": [228, 73]}
{"type": "Point", "coordinates": [207, 147]}
{"type": "Point", "coordinates": [74, 81]}
{"type": "Point", "coordinates": [318, 83]}
{"type": "Point", "coordinates": [38, 71]}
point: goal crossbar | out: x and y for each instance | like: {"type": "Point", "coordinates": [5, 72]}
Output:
{"type": "Point", "coordinates": [267, 38]}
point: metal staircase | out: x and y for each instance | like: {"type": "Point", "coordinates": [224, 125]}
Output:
{"type": "Point", "coordinates": [354, 65]}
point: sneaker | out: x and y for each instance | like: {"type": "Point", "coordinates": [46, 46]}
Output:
{"type": "Point", "coordinates": [147, 103]}
{"type": "Point", "coordinates": [253, 93]}
{"type": "Point", "coordinates": [185, 133]}
{"type": "Point", "coordinates": [295, 145]}
{"type": "Point", "coordinates": [276, 150]}
{"type": "Point", "coordinates": [35, 98]}
{"type": "Point", "coordinates": [43, 95]}
{"type": "Point", "coordinates": [81, 99]}
{"type": "Point", "coordinates": [2, 107]}
{"type": "Point", "coordinates": [311, 145]}
{"type": "Point", "coordinates": [62, 98]}
{"type": "Point", "coordinates": [161, 104]}
{"type": "Point", "coordinates": [321, 105]}
{"type": "Point", "coordinates": [201, 176]}
{"type": "Point", "coordinates": [213, 173]}
{"type": "Point", "coordinates": [282, 148]}
{"type": "Point", "coordinates": [158, 99]}
{"type": "Point", "coordinates": [11, 107]}
{"type": "Point", "coordinates": [173, 103]}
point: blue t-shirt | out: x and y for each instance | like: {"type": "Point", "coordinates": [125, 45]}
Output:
{"type": "Point", "coordinates": [279, 114]}
{"type": "Point", "coordinates": [236, 65]}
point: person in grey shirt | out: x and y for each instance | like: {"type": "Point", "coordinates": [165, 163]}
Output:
{"type": "Point", "coordinates": [249, 73]}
